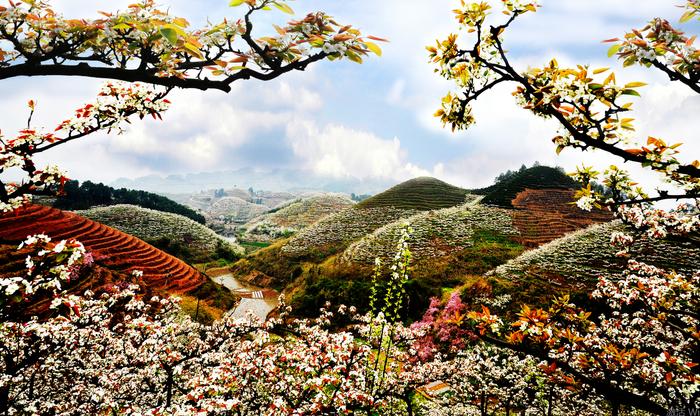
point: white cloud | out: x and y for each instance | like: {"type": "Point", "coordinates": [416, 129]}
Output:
{"type": "Point", "coordinates": [205, 131]}
{"type": "Point", "coordinates": [340, 152]}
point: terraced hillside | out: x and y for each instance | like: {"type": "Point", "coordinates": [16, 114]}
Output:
{"type": "Point", "coordinates": [435, 233]}
{"type": "Point", "coordinates": [155, 226]}
{"type": "Point", "coordinates": [503, 193]}
{"type": "Point", "coordinates": [543, 215]}
{"type": "Point", "coordinates": [576, 260]}
{"type": "Point", "coordinates": [421, 194]}
{"type": "Point", "coordinates": [293, 217]}
{"type": "Point", "coordinates": [334, 233]}
{"type": "Point", "coordinates": [111, 248]}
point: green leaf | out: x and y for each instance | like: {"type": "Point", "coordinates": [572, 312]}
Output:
{"type": "Point", "coordinates": [284, 7]}
{"type": "Point", "coordinates": [170, 34]}
{"type": "Point", "coordinates": [121, 26]}
{"type": "Point", "coordinates": [595, 86]}
{"type": "Point", "coordinates": [631, 92]}
{"type": "Point", "coordinates": [613, 50]}
{"type": "Point", "coordinates": [236, 3]}
{"type": "Point", "coordinates": [353, 56]}
{"type": "Point", "coordinates": [687, 16]}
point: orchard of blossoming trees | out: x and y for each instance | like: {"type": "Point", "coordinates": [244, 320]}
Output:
{"type": "Point", "coordinates": [640, 349]}
{"type": "Point", "coordinates": [153, 51]}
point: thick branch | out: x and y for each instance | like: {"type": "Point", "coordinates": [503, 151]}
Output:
{"type": "Point", "coordinates": [676, 76]}
{"type": "Point", "coordinates": [134, 75]}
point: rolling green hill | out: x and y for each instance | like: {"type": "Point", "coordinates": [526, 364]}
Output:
{"type": "Point", "coordinates": [421, 194]}
{"type": "Point", "coordinates": [293, 217]}
{"type": "Point", "coordinates": [537, 177]}
{"type": "Point", "coordinates": [459, 240]}
{"type": "Point", "coordinates": [334, 233]}
{"type": "Point", "coordinates": [175, 234]}
{"type": "Point", "coordinates": [435, 233]}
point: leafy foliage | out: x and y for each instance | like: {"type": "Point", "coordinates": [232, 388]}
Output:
{"type": "Point", "coordinates": [589, 104]}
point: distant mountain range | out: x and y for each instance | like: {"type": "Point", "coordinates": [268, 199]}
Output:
{"type": "Point", "coordinates": [288, 180]}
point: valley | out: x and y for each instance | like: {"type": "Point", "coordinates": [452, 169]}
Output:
{"type": "Point", "coordinates": [317, 247]}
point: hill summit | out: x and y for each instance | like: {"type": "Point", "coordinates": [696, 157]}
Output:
{"type": "Point", "coordinates": [537, 177]}
{"type": "Point", "coordinates": [423, 194]}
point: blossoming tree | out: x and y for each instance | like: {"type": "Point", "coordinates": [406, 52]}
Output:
{"type": "Point", "coordinates": [154, 52]}
{"type": "Point", "coordinates": [121, 352]}
{"type": "Point", "coordinates": [640, 349]}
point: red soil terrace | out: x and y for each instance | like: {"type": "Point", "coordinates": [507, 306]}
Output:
{"type": "Point", "coordinates": [543, 215]}
{"type": "Point", "coordinates": [111, 249]}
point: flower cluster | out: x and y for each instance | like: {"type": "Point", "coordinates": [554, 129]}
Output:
{"type": "Point", "coordinates": [659, 43]}
{"type": "Point", "coordinates": [111, 345]}
{"type": "Point", "coordinates": [49, 267]}
{"type": "Point", "coordinates": [115, 103]}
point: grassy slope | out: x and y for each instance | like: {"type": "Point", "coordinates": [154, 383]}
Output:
{"type": "Point", "coordinates": [421, 194]}
{"type": "Point", "coordinates": [332, 234]}
{"type": "Point", "coordinates": [310, 282]}
{"type": "Point", "coordinates": [539, 177]}
{"type": "Point", "coordinates": [293, 217]}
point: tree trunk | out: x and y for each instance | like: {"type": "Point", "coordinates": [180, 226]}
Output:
{"type": "Point", "coordinates": [615, 408]}
{"type": "Point", "coordinates": [169, 387]}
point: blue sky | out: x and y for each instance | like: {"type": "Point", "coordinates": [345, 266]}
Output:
{"type": "Point", "coordinates": [366, 121]}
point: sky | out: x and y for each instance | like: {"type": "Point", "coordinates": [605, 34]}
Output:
{"type": "Point", "coordinates": [367, 122]}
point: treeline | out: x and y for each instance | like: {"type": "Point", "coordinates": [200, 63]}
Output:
{"type": "Point", "coordinates": [88, 194]}
{"type": "Point", "coordinates": [510, 183]}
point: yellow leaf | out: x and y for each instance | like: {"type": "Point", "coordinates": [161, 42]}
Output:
{"type": "Point", "coordinates": [635, 84]}
{"type": "Point", "coordinates": [600, 70]}
{"type": "Point", "coordinates": [193, 50]}
{"type": "Point", "coordinates": [284, 7]}
{"type": "Point", "coordinates": [374, 48]}
{"type": "Point", "coordinates": [687, 16]}
{"type": "Point", "coordinates": [181, 22]}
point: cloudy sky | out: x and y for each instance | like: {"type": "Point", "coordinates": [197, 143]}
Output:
{"type": "Point", "coordinates": [371, 121]}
